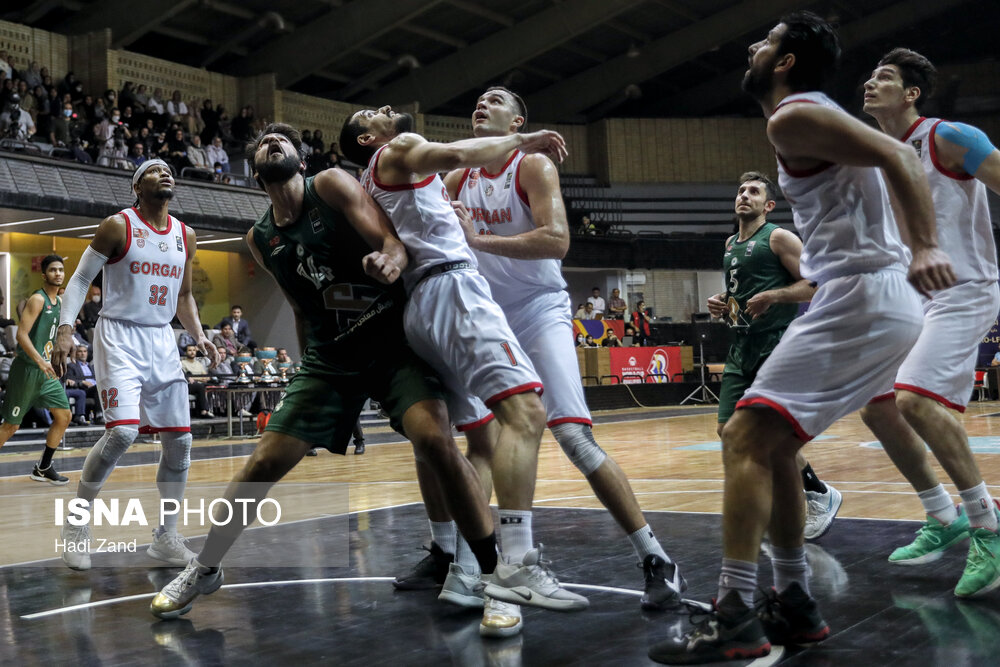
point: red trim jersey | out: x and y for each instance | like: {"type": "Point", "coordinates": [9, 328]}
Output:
{"type": "Point", "coordinates": [498, 205]}
{"type": "Point", "coordinates": [424, 220]}
{"type": "Point", "coordinates": [960, 206]}
{"type": "Point", "coordinates": [842, 214]}
{"type": "Point", "coordinates": [141, 284]}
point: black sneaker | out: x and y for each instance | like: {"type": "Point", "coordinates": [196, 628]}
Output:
{"type": "Point", "coordinates": [731, 631]}
{"type": "Point", "coordinates": [792, 617]}
{"type": "Point", "coordinates": [359, 446]}
{"type": "Point", "coordinates": [48, 475]}
{"type": "Point", "coordinates": [664, 584]}
{"type": "Point", "coordinates": [428, 573]}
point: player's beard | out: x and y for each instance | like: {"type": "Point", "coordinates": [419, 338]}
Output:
{"type": "Point", "coordinates": [758, 82]}
{"type": "Point", "coordinates": [165, 194]}
{"type": "Point", "coordinates": [403, 123]}
{"type": "Point", "coordinates": [278, 171]}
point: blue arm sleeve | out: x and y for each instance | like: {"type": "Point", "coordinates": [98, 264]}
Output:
{"type": "Point", "coordinates": [968, 137]}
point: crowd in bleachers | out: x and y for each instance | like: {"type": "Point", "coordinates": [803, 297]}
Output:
{"type": "Point", "coordinates": [124, 128]}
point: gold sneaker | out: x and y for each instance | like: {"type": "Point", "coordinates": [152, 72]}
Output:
{"type": "Point", "coordinates": [500, 619]}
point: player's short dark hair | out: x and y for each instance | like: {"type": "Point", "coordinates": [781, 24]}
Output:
{"type": "Point", "coordinates": [349, 146]}
{"type": "Point", "coordinates": [759, 176]}
{"type": "Point", "coordinates": [48, 259]}
{"type": "Point", "coordinates": [522, 108]}
{"type": "Point", "coordinates": [283, 129]}
{"type": "Point", "coordinates": [915, 70]}
{"type": "Point", "coordinates": [816, 47]}
{"type": "Point", "coordinates": [235, 305]}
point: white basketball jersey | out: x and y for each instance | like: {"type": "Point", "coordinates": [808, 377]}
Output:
{"type": "Point", "coordinates": [424, 220]}
{"type": "Point", "coordinates": [499, 206]}
{"type": "Point", "coordinates": [842, 214]}
{"type": "Point", "coordinates": [963, 214]}
{"type": "Point", "coordinates": [141, 285]}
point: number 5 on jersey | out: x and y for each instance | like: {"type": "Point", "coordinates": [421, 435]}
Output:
{"type": "Point", "coordinates": [158, 295]}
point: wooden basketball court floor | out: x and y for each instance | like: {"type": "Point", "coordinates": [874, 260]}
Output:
{"type": "Point", "coordinates": [879, 614]}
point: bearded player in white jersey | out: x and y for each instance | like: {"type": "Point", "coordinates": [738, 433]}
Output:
{"type": "Point", "coordinates": [937, 376]}
{"type": "Point", "coordinates": [145, 254]}
{"type": "Point", "coordinates": [515, 222]}
{"type": "Point", "coordinates": [832, 360]}
{"type": "Point", "coordinates": [453, 323]}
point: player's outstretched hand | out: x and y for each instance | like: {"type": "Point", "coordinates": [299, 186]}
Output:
{"type": "Point", "coordinates": [716, 306]}
{"type": "Point", "coordinates": [63, 350]}
{"type": "Point", "coordinates": [545, 141]}
{"type": "Point", "coordinates": [208, 348]}
{"type": "Point", "coordinates": [930, 270]}
{"type": "Point", "coordinates": [381, 267]}
{"type": "Point", "coordinates": [464, 219]}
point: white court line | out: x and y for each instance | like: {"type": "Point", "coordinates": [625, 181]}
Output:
{"type": "Point", "coordinates": [252, 584]}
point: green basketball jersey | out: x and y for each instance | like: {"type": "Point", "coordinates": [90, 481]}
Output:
{"type": "Point", "coordinates": [752, 267]}
{"type": "Point", "coordinates": [348, 318]}
{"type": "Point", "coordinates": [43, 333]}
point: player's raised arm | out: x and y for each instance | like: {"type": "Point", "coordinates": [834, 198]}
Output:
{"type": "Point", "coordinates": [965, 149]}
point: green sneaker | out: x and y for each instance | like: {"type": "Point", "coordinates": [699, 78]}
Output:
{"type": "Point", "coordinates": [982, 569]}
{"type": "Point", "coordinates": [933, 539]}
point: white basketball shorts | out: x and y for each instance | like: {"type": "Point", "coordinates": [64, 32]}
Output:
{"type": "Point", "coordinates": [837, 356]}
{"type": "Point", "coordinates": [139, 377]}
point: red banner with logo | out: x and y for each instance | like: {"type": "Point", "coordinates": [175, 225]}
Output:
{"type": "Point", "coordinates": [634, 364]}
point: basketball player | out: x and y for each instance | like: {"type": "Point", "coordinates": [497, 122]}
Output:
{"type": "Point", "coordinates": [937, 376]}
{"type": "Point", "coordinates": [763, 286]}
{"type": "Point", "coordinates": [453, 323]}
{"type": "Point", "coordinates": [32, 380]}
{"type": "Point", "coordinates": [317, 240]}
{"type": "Point", "coordinates": [832, 360]}
{"type": "Point", "coordinates": [515, 223]}
{"type": "Point", "coordinates": [146, 255]}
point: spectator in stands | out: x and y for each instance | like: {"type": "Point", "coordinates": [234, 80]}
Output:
{"type": "Point", "coordinates": [128, 119]}
{"type": "Point", "coordinates": [266, 366]}
{"type": "Point", "coordinates": [67, 84]}
{"type": "Point", "coordinates": [197, 154]}
{"type": "Point", "coordinates": [581, 312]}
{"type": "Point", "coordinates": [5, 66]}
{"type": "Point", "coordinates": [126, 98]}
{"type": "Point", "coordinates": [588, 312]}
{"type": "Point", "coordinates": [137, 152]}
{"type": "Point", "coordinates": [224, 369]}
{"type": "Point", "coordinates": [284, 363]}
{"type": "Point", "coordinates": [112, 136]}
{"type": "Point", "coordinates": [60, 134]}
{"type": "Point", "coordinates": [177, 151]}
{"type": "Point", "coordinates": [197, 373]}
{"type": "Point", "coordinates": [598, 302]}
{"type": "Point", "coordinates": [306, 149]}
{"type": "Point", "coordinates": [139, 100]}
{"type": "Point", "coordinates": [183, 341]}
{"type": "Point", "coordinates": [32, 76]}
{"type": "Point", "coordinates": [239, 325]}
{"type": "Point", "coordinates": [640, 321]}
{"type": "Point", "coordinates": [630, 330]}
{"type": "Point", "coordinates": [77, 94]}
{"type": "Point", "coordinates": [96, 111]}
{"type": "Point", "coordinates": [616, 306]}
{"type": "Point", "coordinates": [156, 110]}
{"type": "Point", "coordinates": [317, 141]}
{"type": "Point", "coordinates": [111, 98]}
{"type": "Point", "coordinates": [217, 154]}
{"type": "Point", "coordinates": [147, 139]}
{"type": "Point", "coordinates": [587, 227]}
{"type": "Point", "coordinates": [28, 102]}
{"type": "Point", "coordinates": [581, 340]}
{"type": "Point", "coordinates": [43, 111]}
{"type": "Point", "coordinates": [242, 124]}
{"type": "Point", "coordinates": [589, 341]}
{"type": "Point", "coordinates": [15, 122]}
{"type": "Point", "coordinates": [91, 309]}
{"type": "Point", "coordinates": [79, 375]}
{"type": "Point", "coordinates": [226, 339]}
{"type": "Point", "coordinates": [611, 340]}
{"type": "Point", "coordinates": [243, 363]}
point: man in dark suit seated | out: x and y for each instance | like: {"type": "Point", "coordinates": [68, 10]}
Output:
{"type": "Point", "coordinates": [80, 375]}
{"type": "Point", "coordinates": [240, 326]}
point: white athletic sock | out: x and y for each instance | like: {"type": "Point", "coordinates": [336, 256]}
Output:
{"type": "Point", "coordinates": [515, 534]}
{"type": "Point", "coordinates": [938, 504]}
{"type": "Point", "coordinates": [979, 507]}
{"type": "Point", "coordinates": [739, 576]}
{"type": "Point", "coordinates": [464, 556]}
{"type": "Point", "coordinates": [443, 533]}
{"type": "Point", "coordinates": [645, 543]}
{"type": "Point", "coordinates": [789, 566]}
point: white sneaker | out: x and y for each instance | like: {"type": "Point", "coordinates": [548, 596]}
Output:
{"type": "Point", "coordinates": [500, 619]}
{"type": "Point", "coordinates": [465, 590]}
{"type": "Point", "coordinates": [531, 582]}
{"type": "Point", "coordinates": [169, 547]}
{"type": "Point", "coordinates": [821, 510]}
{"type": "Point", "coordinates": [76, 546]}
{"type": "Point", "coordinates": [177, 597]}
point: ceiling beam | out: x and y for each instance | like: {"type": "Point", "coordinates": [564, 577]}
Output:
{"type": "Point", "coordinates": [678, 9]}
{"type": "Point", "coordinates": [491, 57]}
{"type": "Point", "coordinates": [473, 8]}
{"type": "Point", "coordinates": [722, 90]}
{"type": "Point", "coordinates": [127, 19]}
{"type": "Point", "coordinates": [436, 35]}
{"type": "Point", "coordinates": [314, 46]}
{"type": "Point", "coordinates": [593, 86]}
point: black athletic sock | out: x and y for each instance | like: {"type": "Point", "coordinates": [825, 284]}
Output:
{"type": "Point", "coordinates": [810, 482]}
{"type": "Point", "coordinates": [46, 460]}
{"type": "Point", "coordinates": [485, 551]}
